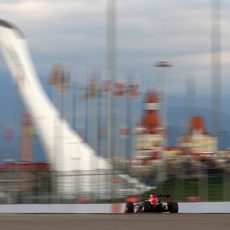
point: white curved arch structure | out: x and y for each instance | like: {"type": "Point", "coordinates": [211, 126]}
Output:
{"type": "Point", "coordinates": [67, 153]}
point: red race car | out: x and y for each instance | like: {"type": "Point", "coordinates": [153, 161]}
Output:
{"type": "Point", "coordinates": [153, 204]}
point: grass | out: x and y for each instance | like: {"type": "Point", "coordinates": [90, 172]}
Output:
{"type": "Point", "coordinates": [181, 190]}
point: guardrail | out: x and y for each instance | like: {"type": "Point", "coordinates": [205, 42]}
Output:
{"type": "Point", "coordinates": [205, 207]}
{"type": "Point", "coordinates": [196, 207]}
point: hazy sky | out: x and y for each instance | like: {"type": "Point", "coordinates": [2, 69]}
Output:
{"type": "Point", "coordinates": [74, 32]}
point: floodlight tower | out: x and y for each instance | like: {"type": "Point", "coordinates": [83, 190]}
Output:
{"type": "Point", "coordinates": [163, 65]}
{"type": "Point", "coordinates": [111, 74]}
{"type": "Point", "coordinates": [216, 65]}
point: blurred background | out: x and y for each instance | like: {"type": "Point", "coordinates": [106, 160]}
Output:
{"type": "Point", "coordinates": [145, 84]}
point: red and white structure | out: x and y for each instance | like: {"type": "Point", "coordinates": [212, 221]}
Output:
{"type": "Point", "coordinates": [197, 142]}
{"type": "Point", "coordinates": [150, 134]}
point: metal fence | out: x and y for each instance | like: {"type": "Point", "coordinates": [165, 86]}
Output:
{"type": "Point", "coordinates": [185, 181]}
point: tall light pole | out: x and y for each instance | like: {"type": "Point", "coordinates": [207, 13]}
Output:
{"type": "Point", "coordinates": [111, 75]}
{"type": "Point", "coordinates": [111, 72]}
{"type": "Point", "coordinates": [163, 65]}
{"type": "Point", "coordinates": [216, 65]}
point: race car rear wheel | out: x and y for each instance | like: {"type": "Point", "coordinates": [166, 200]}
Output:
{"type": "Point", "coordinates": [147, 206]}
{"type": "Point", "coordinates": [173, 207]}
{"type": "Point", "coordinates": [129, 207]}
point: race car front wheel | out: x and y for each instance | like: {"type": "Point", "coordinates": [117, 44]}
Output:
{"type": "Point", "coordinates": [173, 207]}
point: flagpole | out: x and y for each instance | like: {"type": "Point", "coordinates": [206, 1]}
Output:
{"type": "Point", "coordinates": [86, 111]}
{"type": "Point", "coordinates": [62, 116]}
{"type": "Point", "coordinates": [74, 104]}
{"type": "Point", "coordinates": [128, 123]}
{"type": "Point", "coordinates": [99, 112]}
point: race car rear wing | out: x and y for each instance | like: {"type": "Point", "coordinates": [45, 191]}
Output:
{"type": "Point", "coordinates": [162, 195]}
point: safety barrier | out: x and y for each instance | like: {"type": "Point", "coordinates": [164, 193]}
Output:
{"type": "Point", "coordinates": [196, 207]}
{"type": "Point", "coordinates": [205, 207]}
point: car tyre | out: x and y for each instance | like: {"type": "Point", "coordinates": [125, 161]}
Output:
{"type": "Point", "coordinates": [173, 207]}
{"type": "Point", "coordinates": [147, 206]}
{"type": "Point", "coordinates": [129, 207]}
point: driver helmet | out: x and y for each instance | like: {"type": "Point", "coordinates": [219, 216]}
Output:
{"type": "Point", "coordinates": [152, 196]}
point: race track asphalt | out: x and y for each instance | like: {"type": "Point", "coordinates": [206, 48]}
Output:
{"type": "Point", "coordinates": [115, 221]}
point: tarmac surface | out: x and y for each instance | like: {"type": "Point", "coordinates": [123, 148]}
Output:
{"type": "Point", "coordinates": [115, 221]}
